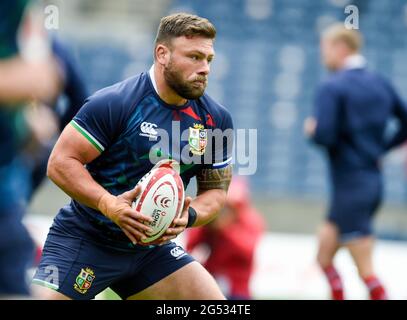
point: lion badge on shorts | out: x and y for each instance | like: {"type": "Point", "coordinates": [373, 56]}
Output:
{"type": "Point", "coordinates": [84, 280]}
{"type": "Point", "coordinates": [198, 139]}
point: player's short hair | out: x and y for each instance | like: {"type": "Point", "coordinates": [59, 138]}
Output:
{"type": "Point", "coordinates": [351, 37]}
{"type": "Point", "coordinates": [183, 24]}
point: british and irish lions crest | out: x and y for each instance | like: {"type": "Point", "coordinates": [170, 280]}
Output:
{"type": "Point", "coordinates": [198, 139]}
{"type": "Point", "coordinates": [84, 280]}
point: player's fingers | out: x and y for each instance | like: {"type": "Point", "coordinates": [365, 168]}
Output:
{"type": "Point", "coordinates": [166, 239]}
{"type": "Point", "coordinates": [141, 217]}
{"type": "Point", "coordinates": [130, 236]}
{"type": "Point", "coordinates": [138, 216]}
{"type": "Point", "coordinates": [187, 202]}
{"type": "Point", "coordinates": [184, 214]}
{"type": "Point", "coordinates": [174, 231]}
{"type": "Point", "coordinates": [138, 235]}
{"type": "Point", "coordinates": [132, 194]}
{"type": "Point", "coordinates": [138, 225]}
{"type": "Point", "coordinates": [180, 222]}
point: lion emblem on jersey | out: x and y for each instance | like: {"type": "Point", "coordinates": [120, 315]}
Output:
{"type": "Point", "coordinates": [198, 139]}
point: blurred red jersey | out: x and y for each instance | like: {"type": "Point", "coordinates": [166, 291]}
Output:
{"type": "Point", "coordinates": [232, 242]}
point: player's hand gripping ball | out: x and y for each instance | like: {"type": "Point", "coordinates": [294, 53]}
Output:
{"type": "Point", "coordinates": [161, 197]}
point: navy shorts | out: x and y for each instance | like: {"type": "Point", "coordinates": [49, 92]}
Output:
{"type": "Point", "coordinates": [81, 268]}
{"type": "Point", "coordinates": [355, 200]}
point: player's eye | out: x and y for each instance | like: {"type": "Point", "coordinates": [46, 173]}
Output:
{"type": "Point", "coordinates": [195, 57]}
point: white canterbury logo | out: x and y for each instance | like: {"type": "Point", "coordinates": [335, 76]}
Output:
{"type": "Point", "coordinates": [148, 130]}
{"type": "Point", "coordinates": [178, 252]}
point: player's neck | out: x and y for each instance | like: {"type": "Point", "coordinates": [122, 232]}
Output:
{"type": "Point", "coordinates": [166, 93]}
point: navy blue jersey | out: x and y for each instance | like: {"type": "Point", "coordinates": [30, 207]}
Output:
{"type": "Point", "coordinates": [130, 125]}
{"type": "Point", "coordinates": [352, 110]}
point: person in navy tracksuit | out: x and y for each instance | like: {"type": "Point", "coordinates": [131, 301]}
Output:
{"type": "Point", "coordinates": [352, 110]}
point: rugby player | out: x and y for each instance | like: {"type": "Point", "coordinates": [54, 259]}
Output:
{"type": "Point", "coordinates": [94, 242]}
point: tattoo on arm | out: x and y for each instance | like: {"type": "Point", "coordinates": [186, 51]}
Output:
{"type": "Point", "coordinates": [214, 179]}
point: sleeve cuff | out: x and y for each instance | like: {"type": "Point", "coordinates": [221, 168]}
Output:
{"type": "Point", "coordinates": [88, 136]}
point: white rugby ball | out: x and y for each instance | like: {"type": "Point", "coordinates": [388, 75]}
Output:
{"type": "Point", "coordinates": [161, 197]}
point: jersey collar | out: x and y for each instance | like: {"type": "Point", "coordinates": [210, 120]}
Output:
{"type": "Point", "coordinates": [152, 77]}
{"type": "Point", "coordinates": [355, 61]}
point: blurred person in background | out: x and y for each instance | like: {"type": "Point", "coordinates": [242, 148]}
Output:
{"type": "Point", "coordinates": [230, 241]}
{"type": "Point", "coordinates": [71, 97]}
{"type": "Point", "coordinates": [27, 80]}
{"type": "Point", "coordinates": [73, 94]}
{"type": "Point", "coordinates": [352, 109]}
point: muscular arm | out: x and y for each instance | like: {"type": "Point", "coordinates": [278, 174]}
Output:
{"type": "Point", "coordinates": [66, 168]}
{"type": "Point", "coordinates": [213, 185]}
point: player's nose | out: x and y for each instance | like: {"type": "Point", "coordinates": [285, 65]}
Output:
{"type": "Point", "coordinates": [204, 68]}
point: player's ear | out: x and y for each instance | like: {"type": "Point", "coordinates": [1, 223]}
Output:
{"type": "Point", "coordinates": [162, 54]}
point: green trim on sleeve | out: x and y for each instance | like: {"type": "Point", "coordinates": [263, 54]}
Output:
{"type": "Point", "coordinates": [88, 136]}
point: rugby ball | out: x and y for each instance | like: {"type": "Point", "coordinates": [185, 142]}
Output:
{"type": "Point", "coordinates": [161, 197]}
